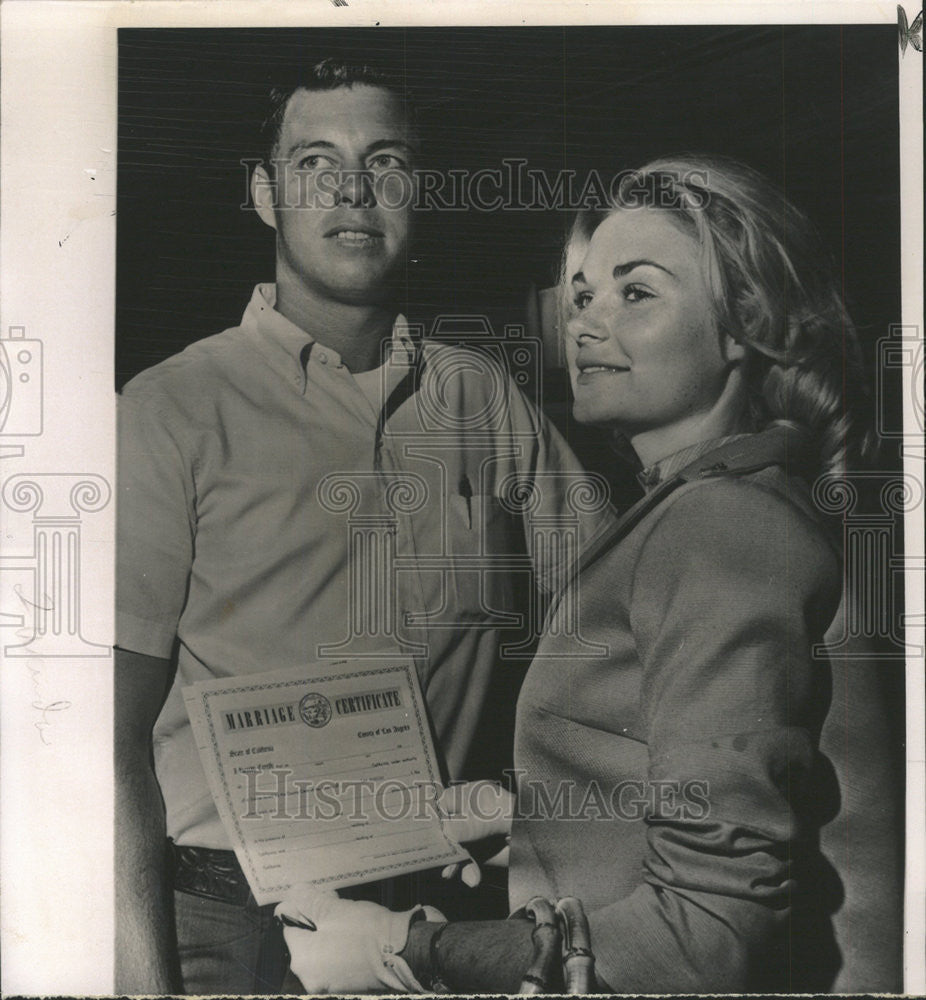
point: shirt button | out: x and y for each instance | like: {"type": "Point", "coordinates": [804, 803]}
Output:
{"type": "Point", "coordinates": [387, 948]}
{"type": "Point", "coordinates": [323, 358]}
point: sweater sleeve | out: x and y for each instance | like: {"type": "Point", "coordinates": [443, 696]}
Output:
{"type": "Point", "coordinates": [732, 587]}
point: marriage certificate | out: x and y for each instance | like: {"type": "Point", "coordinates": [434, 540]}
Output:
{"type": "Point", "coordinates": [323, 774]}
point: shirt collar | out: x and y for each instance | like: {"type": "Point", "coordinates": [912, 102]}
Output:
{"type": "Point", "coordinates": [781, 443]}
{"type": "Point", "coordinates": [650, 477]}
{"type": "Point", "coordinates": [285, 346]}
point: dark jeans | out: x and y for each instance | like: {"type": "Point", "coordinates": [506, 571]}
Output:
{"type": "Point", "coordinates": [226, 948]}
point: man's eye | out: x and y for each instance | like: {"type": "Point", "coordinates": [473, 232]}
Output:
{"type": "Point", "coordinates": [582, 299]}
{"type": "Point", "coordinates": [636, 293]}
{"type": "Point", "coordinates": [386, 161]}
{"type": "Point", "coordinates": [312, 162]}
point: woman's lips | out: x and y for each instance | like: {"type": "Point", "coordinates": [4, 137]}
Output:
{"type": "Point", "coordinates": [588, 373]}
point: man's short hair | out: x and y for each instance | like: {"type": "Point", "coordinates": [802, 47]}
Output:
{"type": "Point", "coordinates": [329, 74]}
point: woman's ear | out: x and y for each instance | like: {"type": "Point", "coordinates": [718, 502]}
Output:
{"type": "Point", "coordinates": [263, 194]}
{"type": "Point", "coordinates": [732, 349]}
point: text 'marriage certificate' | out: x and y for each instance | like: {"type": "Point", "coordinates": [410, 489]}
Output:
{"type": "Point", "coordinates": [323, 774]}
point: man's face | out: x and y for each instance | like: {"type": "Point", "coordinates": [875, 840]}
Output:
{"type": "Point", "coordinates": [343, 175]}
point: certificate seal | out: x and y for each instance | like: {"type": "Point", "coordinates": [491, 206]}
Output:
{"type": "Point", "coordinates": [315, 710]}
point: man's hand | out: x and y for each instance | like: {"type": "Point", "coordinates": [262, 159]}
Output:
{"type": "Point", "coordinates": [477, 811]}
{"type": "Point", "coordinates": [354, 947]}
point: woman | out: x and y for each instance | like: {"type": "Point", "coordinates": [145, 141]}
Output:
{"type": "Point", "coordinates": [669, 781]}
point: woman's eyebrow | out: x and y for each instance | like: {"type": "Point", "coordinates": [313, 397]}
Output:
{"type": "Point", "coordinates": [623, 269]}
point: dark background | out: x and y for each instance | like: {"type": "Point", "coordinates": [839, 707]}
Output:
{"type": "Point", "coordinates": [815, 108]}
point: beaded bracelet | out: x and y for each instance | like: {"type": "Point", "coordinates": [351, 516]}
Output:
{"type": "Point", "coordinates": [546, 940]}
{"type": "Point", "coordinates": [561, 927]}
{"type": "Point", "coordinates": [578, 958]}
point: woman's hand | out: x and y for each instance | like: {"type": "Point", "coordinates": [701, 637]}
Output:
{"type": "Point", "coordinates": [477, 811]}
{"type": "Point", "coordinates": [346, 946]}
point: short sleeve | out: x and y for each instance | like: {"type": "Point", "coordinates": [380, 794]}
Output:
{"type": "Point", "coordinates": [155, 524]}
{"type": "Point", "coordinates": [731, 589]}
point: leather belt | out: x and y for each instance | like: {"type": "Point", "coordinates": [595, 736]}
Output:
{"type": "Point", "coordinates": [210, 873]}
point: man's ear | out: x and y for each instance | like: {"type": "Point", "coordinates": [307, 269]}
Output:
{"type": "Point", "coordinates": [263, 194]}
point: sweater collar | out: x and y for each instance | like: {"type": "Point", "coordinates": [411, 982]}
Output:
{"type": "Point", "coordinates": [650, 477]}
{"type": "Point", "coordinates": [781, 444]}
{"type": "Point", "coordinates": [784, 445]}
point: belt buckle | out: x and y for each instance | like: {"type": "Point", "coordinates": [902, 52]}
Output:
{"type": "Point", "coordinates": [210, 873]}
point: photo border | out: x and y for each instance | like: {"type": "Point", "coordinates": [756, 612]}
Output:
{"type": "Point", "coordinates": [58, 106]}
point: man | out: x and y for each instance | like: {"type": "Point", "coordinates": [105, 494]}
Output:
{"type": "Point", "coordinates": [234, 552]}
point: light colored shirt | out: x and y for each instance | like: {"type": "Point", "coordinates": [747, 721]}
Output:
{"type": "Point", "coordinates": [270, 517]}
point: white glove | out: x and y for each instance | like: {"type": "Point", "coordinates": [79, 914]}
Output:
{"type": "Point", "coordinates": [476, 810]}
{"type": "Point", "coordinates": [355, 946]}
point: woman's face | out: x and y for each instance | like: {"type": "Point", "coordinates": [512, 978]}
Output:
{"type": "Point", "coordinates": [644, 353]}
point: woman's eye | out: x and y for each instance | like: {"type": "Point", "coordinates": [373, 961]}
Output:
{"type": "Point", "coordinates": [636, 293]}
{"type": "Point", "coordinates": [582, 299]}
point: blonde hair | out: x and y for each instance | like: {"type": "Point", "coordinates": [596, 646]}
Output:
{"type": "Point", "coordinates": [773, 292]}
